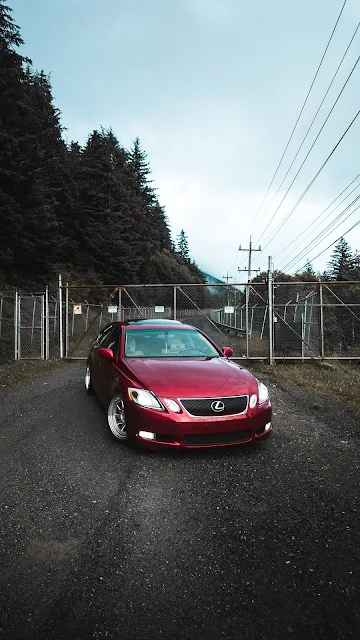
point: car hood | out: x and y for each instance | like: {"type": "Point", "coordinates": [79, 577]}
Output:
{"type": "Point", "coordinates": [192, 377]}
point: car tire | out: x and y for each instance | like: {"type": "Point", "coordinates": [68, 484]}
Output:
{"type": "Point", "coordinates": [88, 384]}
{"type": "Point", "coordinates": [116, 419]}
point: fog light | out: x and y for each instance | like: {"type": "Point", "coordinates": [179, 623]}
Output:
{"type": "Point", "coordinates": [268, 426]}
{"type": "Point", "coordinates": [147, 435]}
{"type": "Point", "coordinates": [172, 405]}
{"type": "Point", "coordinates": [253, 401]}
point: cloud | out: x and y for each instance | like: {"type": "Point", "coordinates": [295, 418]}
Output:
{"type": "Point", "coordinates": [211, 173]}
{"type": "Point", "coordinates": [211, 12]}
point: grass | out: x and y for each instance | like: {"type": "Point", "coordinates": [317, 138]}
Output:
{"type": "Point", "coordinates": [15, 372]}
{"type": "Point", "coordinates": [339, 381]}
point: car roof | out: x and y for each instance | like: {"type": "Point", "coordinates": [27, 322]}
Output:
{"type": "Point", "coordinates": [177, 327]}
{"type": "Point", "coordinates": [153, 321]}
{"type": "Point", "coordinates": [154, 324]}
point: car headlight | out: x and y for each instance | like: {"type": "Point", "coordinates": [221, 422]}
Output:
{"type": "Point", "coordinates": [144, 398]}
{"type": "Point", "coordinates": [263, 393]}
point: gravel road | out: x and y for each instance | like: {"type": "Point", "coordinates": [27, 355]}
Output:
{"type": "Point", "coordinates": [102, 541]}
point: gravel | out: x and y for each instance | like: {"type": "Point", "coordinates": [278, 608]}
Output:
{"type": "Point", "coordinates": [102, 541]}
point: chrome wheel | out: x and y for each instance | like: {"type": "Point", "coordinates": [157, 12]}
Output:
{"type": "Point", "coordinates": [88, 385]}
{"type": "Point", "coordinates": [116, 418]}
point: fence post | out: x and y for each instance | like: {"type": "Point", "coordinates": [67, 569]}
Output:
{"type": "Point", "coordinates": [322, 351]}
{"type": "Point", "coordinates": [263, 324]}
{"type": "Point", "coordinates": [87, 316]}
{"type": "Point", "coordinates": [247, 317]}
{"type": "Point", "coordinates": [119, 305]}
{"type": "Point", "coordinates": [271, 313]}
{"type": "Point", "coordinates": [33, 321]}
{"type": "Point", "coordinates": [61, 337]}
{"type": "Point", "coordinates": [174, 303]}
{"type": "Point", "coordinates": [67, 320]}
{"type": "Point", "coordinates": [16, 325]}
{"type": "Point", "coordinates": [47, 321]}
{"type": "Point", "coordinates": [1, 311]}
{"type": "Point", "coordinates": [302, 337]}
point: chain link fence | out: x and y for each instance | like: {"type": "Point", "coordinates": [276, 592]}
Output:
{"type": "Point", "coordinates": [301, 320]}
{"type": "Point", "coordinates": [309, 319]}
{"type": "Point", "coordinates": [29, 325]}
{"type": "Point", "coordinates": [7, 326]}
{"type": "Point", "coordinates": [297, 320]}
{"type": "Point", "coordinates": [235, 316]}
{"type": "Point", "coordinates": [341, 319]}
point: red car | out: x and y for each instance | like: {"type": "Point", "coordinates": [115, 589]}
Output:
{"type": "Point", "coordinates": [166, 384]}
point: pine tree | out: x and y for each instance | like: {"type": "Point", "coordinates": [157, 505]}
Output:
{"type": "Point", "coordinates": [308, 275]}
{"type": "Point", "coordinates": [112, 227]}
{"type": "Point", "coordinates": [183, 246]}
{"type": "Point", "coordinates": [12, 107]}
{"type": "Point", "coordinates": [91, 210]}
{"type": "Point", "coordinates": [341, 265]}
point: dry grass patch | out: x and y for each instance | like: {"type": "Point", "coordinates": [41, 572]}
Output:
{"type": "Point", "coordinates": [338, 381]}
{"type": "Point", "coordinates": [15, 372]}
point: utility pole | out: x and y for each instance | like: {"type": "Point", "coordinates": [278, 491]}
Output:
{"type": "Point", "coordinates": [271, 312]}
{"type": "Point", "coordinates": [247, 291]}
{"type": "Point", "coordinates": [228, 277]}
{"type": "Point", "coordinates": [249, 270]}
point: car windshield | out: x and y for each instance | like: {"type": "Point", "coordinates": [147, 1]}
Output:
{"type": "Point", "coordinates": [161, 343]}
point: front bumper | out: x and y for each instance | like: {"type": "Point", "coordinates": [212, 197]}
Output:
{"type": "Point", "coordinates": [180, 430]}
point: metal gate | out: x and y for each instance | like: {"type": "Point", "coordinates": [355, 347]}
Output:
{"type": "Point", "coordinates": [30, 327]}
{"type": "Point", "coordinates": [227, 315]}
{"type": "Point", "coordinates": [260, 320]}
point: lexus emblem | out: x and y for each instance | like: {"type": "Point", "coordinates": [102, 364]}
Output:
{"type": "Point", "coordinates": [217, 406]}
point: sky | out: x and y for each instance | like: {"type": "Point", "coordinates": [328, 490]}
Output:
{"type": "Point", "coordinates": [213, 89]}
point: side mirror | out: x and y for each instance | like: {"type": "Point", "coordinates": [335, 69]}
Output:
{"type": "Point", "coordinates": [106, 354]}
{"type": "Point", "coordinates": [227, 351]}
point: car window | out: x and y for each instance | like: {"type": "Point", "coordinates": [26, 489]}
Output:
{"type": "Point", "coordinates": [111, 339]}
{"type": "Point", "coordinates": [103, 335]}
{"type": "Point", "coordinates": [155, 343]}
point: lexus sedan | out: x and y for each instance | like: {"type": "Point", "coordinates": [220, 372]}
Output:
{"type": "Point", "coordinates": [166, 384]}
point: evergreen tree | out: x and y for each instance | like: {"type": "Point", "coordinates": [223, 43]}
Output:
{"type": "Point", "coordinates": [158, 233]}
{"type": "Point", "coordinates": [38, 248]}
{"type": "Point", "coordinates": [12, 98]}
{"type": "Point", "coordinates": [111, 244]}
{"type": "Point", "coordinates": [183, 246]}
{"type": "Point", "coordinates": [308, 275]}
{"type": "Point", "coordinates": [356, 263]}
{"type": "Point", "coordinates": [91, 211]}
{"type": "Point", "coordinates": [341, 265]}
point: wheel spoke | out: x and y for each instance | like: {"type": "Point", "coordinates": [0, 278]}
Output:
{"type": "Point", "coordinates": [116, 418]}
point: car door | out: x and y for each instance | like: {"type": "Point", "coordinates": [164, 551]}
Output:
{"type": "Point", "coordinates": [94, 362]}
{"type": "Point", "coordinates": [106, 369]}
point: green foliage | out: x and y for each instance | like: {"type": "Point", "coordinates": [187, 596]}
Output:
{"type": "Point", "coordinates": [90, 211]}
{"type": "Point", "coordinates": [341, 265]}
{"type": "Point", "coordinates": [183, 246]}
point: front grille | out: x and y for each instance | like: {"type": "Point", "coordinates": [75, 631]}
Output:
{"type": "Point", "coordinates": [216, 438]}
{"type": "Point", "coordinates": [208, 406]}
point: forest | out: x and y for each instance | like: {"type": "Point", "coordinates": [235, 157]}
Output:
{"type": "Point", "coordinates": [90, 212]}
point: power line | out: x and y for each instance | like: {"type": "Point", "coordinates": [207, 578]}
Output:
{"type": "Point", "coordinates": [303, 251]}
{"type": "Point", "coordinates": [313, 120]}
{"type": "Point", "coordinates": [320, 216]}
{"type": "Point", "coordinates": [301, 111]}
{"type": "Point", "coordinates": [330, 245]}
{"type": "Point", "coordinates": [314, 178]}
{"type": "Point", "coordinates": [303, 162]}
{"type": "Point", "coordinates": [330, 228]}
